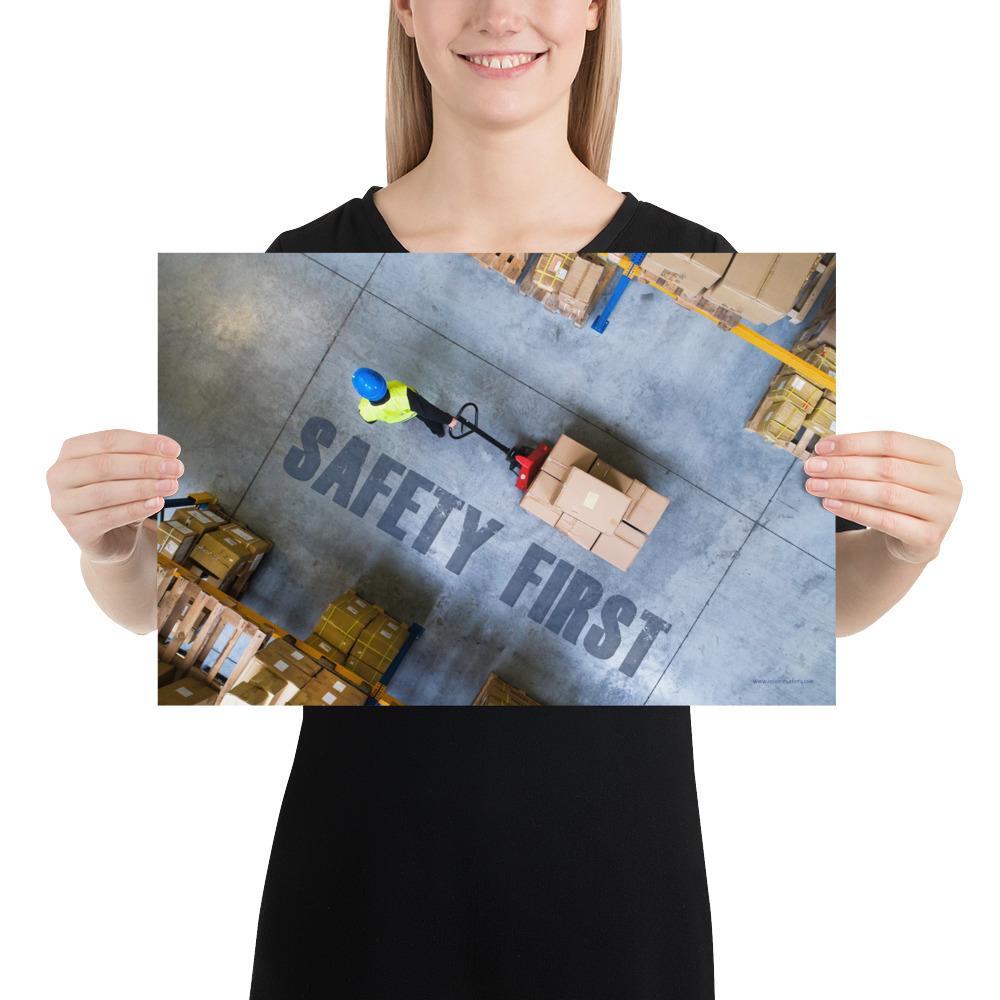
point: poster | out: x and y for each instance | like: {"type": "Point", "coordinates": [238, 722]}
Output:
{"type": "Point", "coordinates": [616, 515]}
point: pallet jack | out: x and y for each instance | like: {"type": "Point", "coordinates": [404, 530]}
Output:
{"type": "Point", "coordinates": [199, 500]}
{"type": "Point", "coordinates": [525, 461]}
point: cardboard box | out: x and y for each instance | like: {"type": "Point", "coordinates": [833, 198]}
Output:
{"type": "Point", "coordinates": [544, 489]}
{"type": "Point", "coordinates": [219, 554]}
{"type": "Point", "coordinates": [610, 475]}
{"type": "Point", "coordinates": [187, 691]}
{"type": "Point", "coordinates": [789, 274]}
{"type": "Point", "coordinates": [199, 521]}
{"type": "Point", "coordinates": [645, 509]}
{"type": "Point", "coordinates": [579, 289]}
{"type": "Point", "coordinates": [551, 270]}
{"type": "Point", "coordinates": [327, 649]}
{"type": "Point", "coordinates": [283, 659]}
{"type": "Point", "coordinates": [246, 693]}
{"type": "Point", "coordinates": [496, 692]}
{"type": "Point", "coordinates": [581, 533]}
{"type": "Point", "coordinates": [379, 644]}
{"type": "Point", "coordinates": [580, 281]}
{"type": "Point", "coordinates": [782, 421]}
{"type": "Point", "coordinates": [279, 687]}
{"type": "Point", "coordinates": [550, 515]}
{"type": "Point", "coordinates": [763, 287]}
{"type": "Point", "coordinates": [742, 283]}
{"type": "Point", "coordinates": [254, 544]}
{"type": "Point", "coordinates": [175, 540]}
{"type": "Point", "coordinates": [327, 689]}
{"type": "Point", "coordinates": [631, 535]}
{"type": "Point", "coordinates": [592, 501]}
{"type": "Point", "coordinates": [791, 387]}
{"type": "Point", "coordinates": [692, 273]}
{"type": "Point", "coordinates": [821, 356]}
{"type": "Point", "coordinates": [568, 454]}
{"type": "Point", "coordinates": [615, 550]}
{"type": "Point", "coordinates": [345, 619]}
{"type": "Point", "coordinates": [368, 673]}
{"type": "Point", "coordinates": [823, 420]}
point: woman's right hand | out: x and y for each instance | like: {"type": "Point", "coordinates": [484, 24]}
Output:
{"type": "Point", "coordinates": [104, 485]}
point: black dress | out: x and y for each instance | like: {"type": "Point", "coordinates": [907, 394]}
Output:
{"type": "Point", "coordinates": [443, 853]}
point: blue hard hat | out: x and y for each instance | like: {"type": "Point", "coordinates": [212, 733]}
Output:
{"type": "Point", "coordinates": [369, 384]}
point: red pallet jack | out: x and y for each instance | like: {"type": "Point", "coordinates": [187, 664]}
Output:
{"type": "Point", "coordinates": [525, 461]}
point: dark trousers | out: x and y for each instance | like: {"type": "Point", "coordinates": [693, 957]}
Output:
{"type": "Point", "coordinates": [437, 428]}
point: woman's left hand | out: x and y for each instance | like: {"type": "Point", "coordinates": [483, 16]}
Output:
{"type": "Point", "coordinates": [903, 486]}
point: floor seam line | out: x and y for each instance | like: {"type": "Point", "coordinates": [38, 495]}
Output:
{"type": "Point", "coordinates": [305, 389]}
{"type": "Point", "coordinates": [732, 562]}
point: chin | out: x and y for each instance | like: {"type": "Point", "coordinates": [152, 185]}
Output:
{"type": "Point", "coordinates": [502, 113]}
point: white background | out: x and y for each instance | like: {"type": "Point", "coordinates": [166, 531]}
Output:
{"type": "Point", "coordinates": [851, 851]}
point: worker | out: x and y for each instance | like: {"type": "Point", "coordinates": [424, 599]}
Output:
{"type": "Point", "coordinates": [396, 402]}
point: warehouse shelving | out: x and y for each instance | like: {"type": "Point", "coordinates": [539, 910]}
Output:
{"type": "Point", "coordinates": [629, 265]}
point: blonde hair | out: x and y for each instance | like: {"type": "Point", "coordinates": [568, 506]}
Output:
{"type": "Point", "coordinates": [593, 101]}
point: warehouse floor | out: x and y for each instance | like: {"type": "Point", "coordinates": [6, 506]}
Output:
{"type": "Point", "coordinates": [732, 598]}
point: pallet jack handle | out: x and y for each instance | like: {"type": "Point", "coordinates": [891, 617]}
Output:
{"type": "Point", "coordinates": [468, 417]}
{"type": "Point", "coordinates": [524, 461]}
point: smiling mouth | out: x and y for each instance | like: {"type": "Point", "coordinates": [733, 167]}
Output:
{"type": "Point", "coordinates": [502, 60]}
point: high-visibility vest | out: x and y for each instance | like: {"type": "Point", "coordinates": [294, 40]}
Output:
{"type": "Point", "coordinates": [394, 411]}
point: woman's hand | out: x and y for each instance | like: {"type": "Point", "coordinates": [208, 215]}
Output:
{"type": "Point", "coordinates": [104, 485]}
{"type": "Point", "coordinates": [903, 486]}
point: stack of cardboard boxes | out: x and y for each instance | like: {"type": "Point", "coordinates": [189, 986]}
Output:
{"type": "Point", "coordinates": [757, 287]}
{"type": "Point", "coordinates": [793, 403]}
{"type": "Point", "coordinates": [279, 674]}
{"type": "Point", "coordinates": [567, 283]}
{"type": "Point", "coordinates": [496, 691]}
{"type": "Point", "coordinates": [176, 539]}
{"type": "Point", "coordinates": [282, 674]}
{"type": "Point", "coordinates": [189, 690]}
{"type": "Point", "coordinates": [761, 287]}
{"type": "Point", "coordinates": [227, 551]}
{"type": "Point", "coordinates": [687, 274]}
{"type": "Point", "coordinates": [359, 635]}
{"type": "Point", "coordinates": [598, 507]}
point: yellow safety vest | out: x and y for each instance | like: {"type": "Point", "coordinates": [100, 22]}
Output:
{"type": "Point", "coordinates": [395, 411]}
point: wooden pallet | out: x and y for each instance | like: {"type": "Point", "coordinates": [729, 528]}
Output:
{"type": "Point", "coordinates": [496, 692]}
{"type": "Point", "coordinates": [800, 446]}
{"type": "Point", "coordinates": [188, 614]}
{"type": "Point", "coordinates": [510, 265]}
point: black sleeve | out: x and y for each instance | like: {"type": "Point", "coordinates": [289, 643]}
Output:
{"type": "Point", "coordinates": [844, 525]}
{"type": "Point", "coordinates": [276, 246]}
{"type": "Point", "coordinates": [722, 246]}
{"type": "Point", "coordinates": [425, 410]}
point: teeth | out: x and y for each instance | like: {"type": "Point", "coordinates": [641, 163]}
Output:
{"type": "Point", "coordinates": [504, 62]}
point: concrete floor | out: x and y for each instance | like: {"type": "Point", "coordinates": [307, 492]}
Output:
{"type": "Point", "coordinates": [730, 602]}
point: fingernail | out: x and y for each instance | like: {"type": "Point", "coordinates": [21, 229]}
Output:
{"type": "Point", "coordinates": [832, 504]}
{"type": "Point", "coordinates": [825, 446]}
{"type": "Point", "coordinates": [170, 468]}
{"type": "Point", "coordinates": [164, 485]}
{"type": "Point", "coordinates": [152, 502]}
{"type": "Point", "coordinates": [817, 485]}
{"type": "Point", "coordinates": [168, 447]}
{"type": "Point", "coordinates": [816, 465]}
